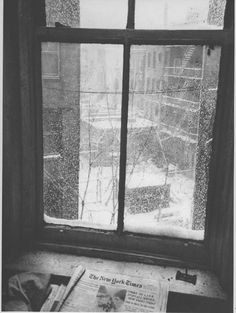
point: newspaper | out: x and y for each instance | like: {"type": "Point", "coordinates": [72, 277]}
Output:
{"type": "Point", "coordinates": [108, 292]}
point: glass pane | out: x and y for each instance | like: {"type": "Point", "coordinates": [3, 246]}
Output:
{"type": "Point", "coordinates": [50, 60]}
{"type": "Point", "coordinates": [81, 133]}
{"type": "Point", "coordinates": [87, 13]}
{"type": "Point", "coordinates": [172, 104]}
{"type": "Point", "coordinates": [179, 14]}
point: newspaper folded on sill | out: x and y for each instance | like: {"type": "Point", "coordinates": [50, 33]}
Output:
{"type": "Point", "coordinates": [108, 292]}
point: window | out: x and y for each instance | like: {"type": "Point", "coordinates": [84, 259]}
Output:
{"type": "Point", "coordinates": [132, 170]}
{"type": "Point", "coordinates": [149, 59]}
{"type": "Point", "coordinates": [153, 84]}
{"type": "Point", "coordinates": [50, 60]}
{"type": "Point", "coordinates": [154, 59]}
{"type": "Point", "coordinates": [177, 65]}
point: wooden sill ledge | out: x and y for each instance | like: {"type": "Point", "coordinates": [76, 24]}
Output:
{"type": "Point", "coordinates": [207, 284]}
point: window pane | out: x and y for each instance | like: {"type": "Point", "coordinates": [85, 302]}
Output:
{"type": "Point", "coordinates": [87, 13]}
{"type": "Point", "coordinates": [179, 14]}
{"type": "Point", "coordinates": [50, 60]}
{"type": "Point", "coordinates": [170, 126]}
{"type": "Point", "coordinates": [81, 132]}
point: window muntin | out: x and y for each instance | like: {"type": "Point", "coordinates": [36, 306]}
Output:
{"type": "Point", "coordinates": [200, 37]}
{"type": "Point", "coordinates": [179, 14]}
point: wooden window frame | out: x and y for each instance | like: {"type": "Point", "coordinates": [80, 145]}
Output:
{"type": "Point", "coordinates": [115, 244]}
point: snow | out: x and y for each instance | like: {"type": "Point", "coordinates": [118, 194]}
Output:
{"type": "Point", "coordinates": [174, 221]}
{"type": "Point", "coordinates": [146, 223]}
{"type": "Point", "coordinates": [77, 223]}
{"type": "Point", "coordinates": [164, 230]}
{"type": "Point", "coordinates": [144, 175]}
{"type": "Point", "coordinates": [180, 210]}
{"type": "Point", "coordinates": [184, 138]}
{"type": "Point", "coordinates": [116, 123]}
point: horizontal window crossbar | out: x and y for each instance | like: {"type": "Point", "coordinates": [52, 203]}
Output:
{"type": "Point", "coordinates": [190, 252]}
{"type": "Point", "coordinates": [122, 36]}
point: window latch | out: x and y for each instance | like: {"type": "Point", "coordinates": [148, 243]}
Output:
{"type": "Point", "coordinates": [186, 277]}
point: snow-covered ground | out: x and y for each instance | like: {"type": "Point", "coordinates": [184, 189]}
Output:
{"type": "Point", "coordinates": [100, 199]}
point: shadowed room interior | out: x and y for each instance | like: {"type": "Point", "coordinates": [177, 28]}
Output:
{"type": "Point", "coordinates": [118, 132]}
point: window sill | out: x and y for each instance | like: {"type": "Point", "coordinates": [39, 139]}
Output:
{"type": "Point", "coordinates": [126, 247]}
{"type": "Point", "coordinates": [42, 261]}
{"type": "Point", "coordinates": [162, 230]}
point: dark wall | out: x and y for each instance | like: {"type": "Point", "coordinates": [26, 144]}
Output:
{"type": "Point", "coordinates": [220, 226]}
{"type": "Point", "coordinates": [221, 241]}
{"type": "Point", "coordinates": [11, 131]}
{"type": "Point", "coordinates": [20, 18]}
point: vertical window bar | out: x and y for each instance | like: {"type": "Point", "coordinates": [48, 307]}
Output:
{"type": "Point", "coordinates": [131, 12]}
{"type": "Point", "coordinates": [229, 15]}
{"type": "Point", "coordinates": [123, 136]}
{"type": "Point", "coordinates": [40, 13]}
{"type": "Point", "coordinates": [39, 132]}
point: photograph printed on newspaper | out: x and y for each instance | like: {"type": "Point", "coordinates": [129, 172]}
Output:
{"type": "Point", "coordinates": [108, 292]}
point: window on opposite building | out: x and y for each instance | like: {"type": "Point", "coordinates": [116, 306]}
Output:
{"type": "Point", "coordinates": [51, 60]}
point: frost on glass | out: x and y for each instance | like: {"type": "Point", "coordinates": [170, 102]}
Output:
{"type": "Point", "coordinates": [179, 14]}
{"type": "Point", "coordinates": [172, 104]}
{"type": "Point", "coordinates": [87, 13]}
{"type": "Point", "coordinates": [81, 135]}
{"type": "Point", "coordinates": [62, 12]}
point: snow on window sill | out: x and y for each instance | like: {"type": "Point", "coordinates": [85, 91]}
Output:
{"type": "Point", "coordinates": [166, 230]}
{"type": "Point", "coordinates": [76, 223]}
{"type": "Point", "coordinates": [160, 229]}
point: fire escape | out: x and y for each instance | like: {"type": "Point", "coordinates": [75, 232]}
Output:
{"type": "Point", "coordinates": [186, 78]}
